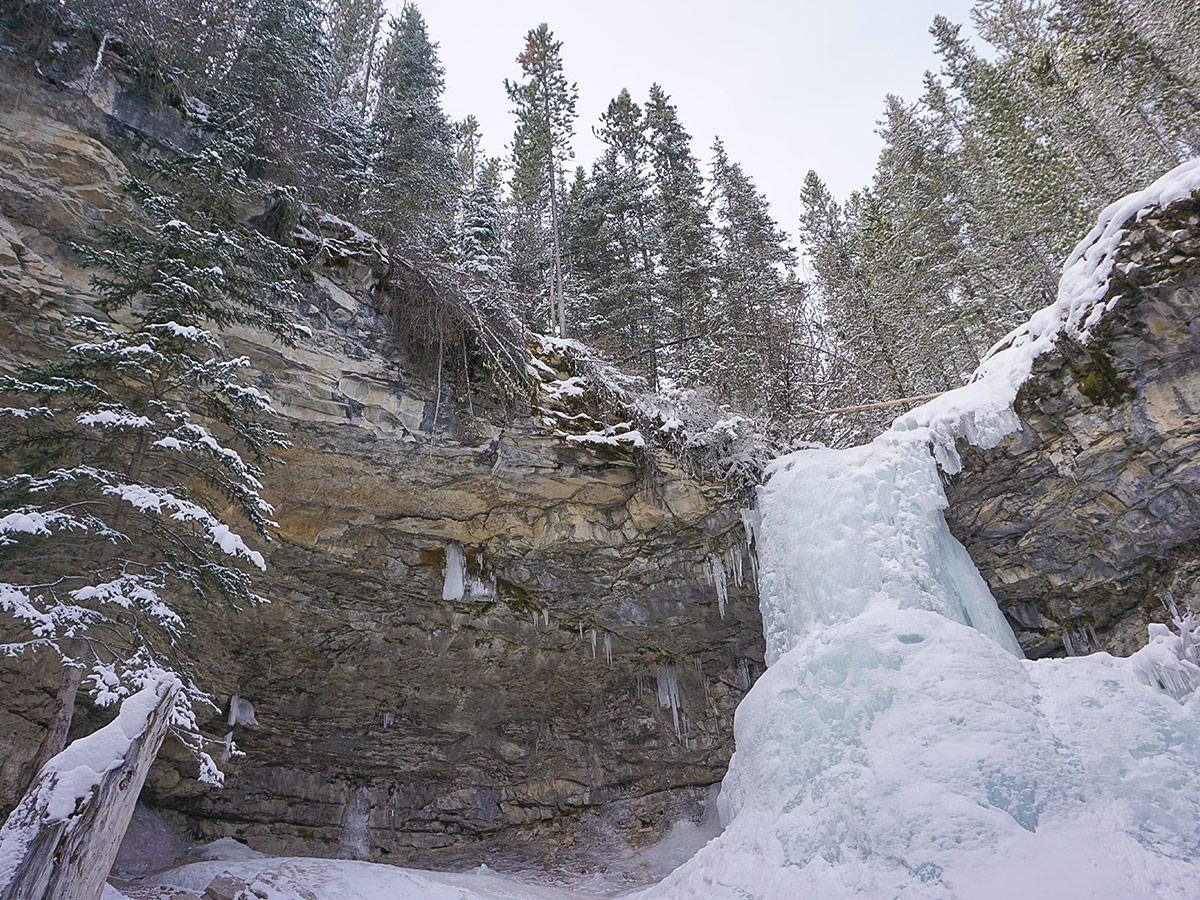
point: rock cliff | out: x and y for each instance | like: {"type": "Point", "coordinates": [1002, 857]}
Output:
{"type": "Point", "coordinates": [484, 640]}
{"type": "Point", "coordinates": [1086, 522]}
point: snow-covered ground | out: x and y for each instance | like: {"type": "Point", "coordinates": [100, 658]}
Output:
{"type": "Point", "coordinates": [154, 863]}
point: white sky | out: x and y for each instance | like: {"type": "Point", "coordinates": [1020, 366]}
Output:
{"type": "Point", "coordinates": [789, 86]}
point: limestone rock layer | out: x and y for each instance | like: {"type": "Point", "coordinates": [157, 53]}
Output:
{"type": "Point", "coordinates": [399, 718]}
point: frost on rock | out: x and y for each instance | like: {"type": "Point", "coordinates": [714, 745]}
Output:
{"type": "Point", "coordinates": [898, 745]}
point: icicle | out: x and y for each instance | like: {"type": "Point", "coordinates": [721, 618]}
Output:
{"type": "Point", "coordinates": [227, 753]}
{"type": "Point", "coordinates": [608, 648]}
{"type": "Point", "coordinates": [752, 522]}
{"type": "Point", "coordinates": [387, 720]}
{"type": "Point", "coordinates": [744, 674]}
{"type": "Point", "coordinates": [593, 643]}
{"type": "Point", "coordinates": [714, 572]}
{"type": "Point", "coordinates": [639, 687]}
{"type": "Point", "coordinates": [545, 617]}
{"type": "Point", "coordinates": [668, 694]}
{"type": "Point", "coordinates": [1067, 645]}
{"type": "Point", "coordinates": [535, 618]}
{"type": "Point", "coordinates": [733, 564]}
{"type": "Point", "coordinates": [581, 631]}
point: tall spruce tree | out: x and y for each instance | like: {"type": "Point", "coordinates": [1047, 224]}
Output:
{"type": "Point", "coordinates": [280, 79]}
{"type": "Point", "coordinates": [415, 189]}
{"type": "Point", "coordinates": [355, 43]}
{"type": "Point", "coordinates": [752, 288]}
{"type": "Point", "coordinates": [612, 242]}
{"type": "Point", "coordinates": [544, 104]}
{"type": "Point", "coordinates": [686, 248]}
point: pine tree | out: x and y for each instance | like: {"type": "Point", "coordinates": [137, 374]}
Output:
{"type": "Point", "coordinates": [280, 79]}
{"type": "Point", "coordinates": [482, 254]}
{"type": "Point", "coordinates": [544, 104]}
{"type": "Point", "coordinates": [752, 293]}
{"type": "Point", "coordinates": [470, 151]}
{"type": "Point", "coordinates": [124, 456]}
{"type": "Point", "coordinates": [686, 252]}
{"type": "Point", "coordinates": [612, 242]}
{"type": "Point", "coordinates": [416, 175]}
{"type": "Point", "coordinates": [355, 30]}
{"type": "Point", "coordinates": [857, 315]}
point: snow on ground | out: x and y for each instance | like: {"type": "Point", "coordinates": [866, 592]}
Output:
{"type": "Point", "coordinates": [154, 864]}
{"type": "Point", "coordinates": [298, 878]}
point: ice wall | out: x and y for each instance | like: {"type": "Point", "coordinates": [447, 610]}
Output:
{"type": "Point", "coordinates": [851, 531]}
{"type": "Point", "coordinates": [898, 746]}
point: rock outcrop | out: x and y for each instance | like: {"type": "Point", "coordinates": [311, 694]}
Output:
{"type": "Point", "coordinates": [1086, 522]}
{"type": "Point", "coordinates": [577, 686]}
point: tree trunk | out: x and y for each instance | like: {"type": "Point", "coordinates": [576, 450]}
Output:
{"type": "Point", "coordinates": [64, 710]}
{"type": "Point", "coordinates": [61, 840]}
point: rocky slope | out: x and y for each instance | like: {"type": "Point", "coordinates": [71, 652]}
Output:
{"type": "Point", "coordinates": [582, 684]}
{"type": "Point", "coordinates": [1086, 522]}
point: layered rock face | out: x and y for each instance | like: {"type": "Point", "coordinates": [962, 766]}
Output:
{"type": "Point", "coordinates": [1086, 522]}
{"type": "Point", "coordinates": [484, 641]}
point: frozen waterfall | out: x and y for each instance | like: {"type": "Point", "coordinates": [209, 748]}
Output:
{"type": "Point", "coordinates": [898, 746]}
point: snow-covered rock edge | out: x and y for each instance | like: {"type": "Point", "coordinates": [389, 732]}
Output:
{"type": "Point", "coordinates": [981, 412]}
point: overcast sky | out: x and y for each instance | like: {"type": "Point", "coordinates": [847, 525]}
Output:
{"type": "Point", "coordinates": [789, 86]}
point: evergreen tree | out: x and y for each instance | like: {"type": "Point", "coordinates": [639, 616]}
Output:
{"type": "Point", "coordinates": [355, 29]}
{"type": "Point", "coordinates": [751, 296]}
{"type": "Point", "coordinates": [416, 175]}
{"type": "Point", "coordinates": [470, 151]}
{"type": "Point", "coordinates": [124, 455]}
{"type": "Point", "coordinates": [612, 243]}
{"type": "Point", "coordinates": [280, 78]}
{"type": "Point", "coordinates": [856, 314]}
{"type": "Point", "coordinates": [482, 253]}
{"type": "Point", "coordinates": [544, 104]}
{"type": "Point", "coordinates": [686, 252]}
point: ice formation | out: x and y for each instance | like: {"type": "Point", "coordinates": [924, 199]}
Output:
{"type": "Point", "coordinates": [354, 842]}
{"type": "Point", "coordinates": [898, 745]}
{"type": "Point", "coordinates": [241, 711]}
{"type": "Point", "coordinates": [714, 573]}
{"type": "Point", "coordinates": [668, 693]}
{"type": "Point", "coordinates": [454, 573]}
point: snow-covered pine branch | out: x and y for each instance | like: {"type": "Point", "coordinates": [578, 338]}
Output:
{"type": "Point", "coordinates": [131, 462]}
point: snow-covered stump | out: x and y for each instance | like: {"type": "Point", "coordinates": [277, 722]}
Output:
{"type": "Point", "coordinates": [61, 840]}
